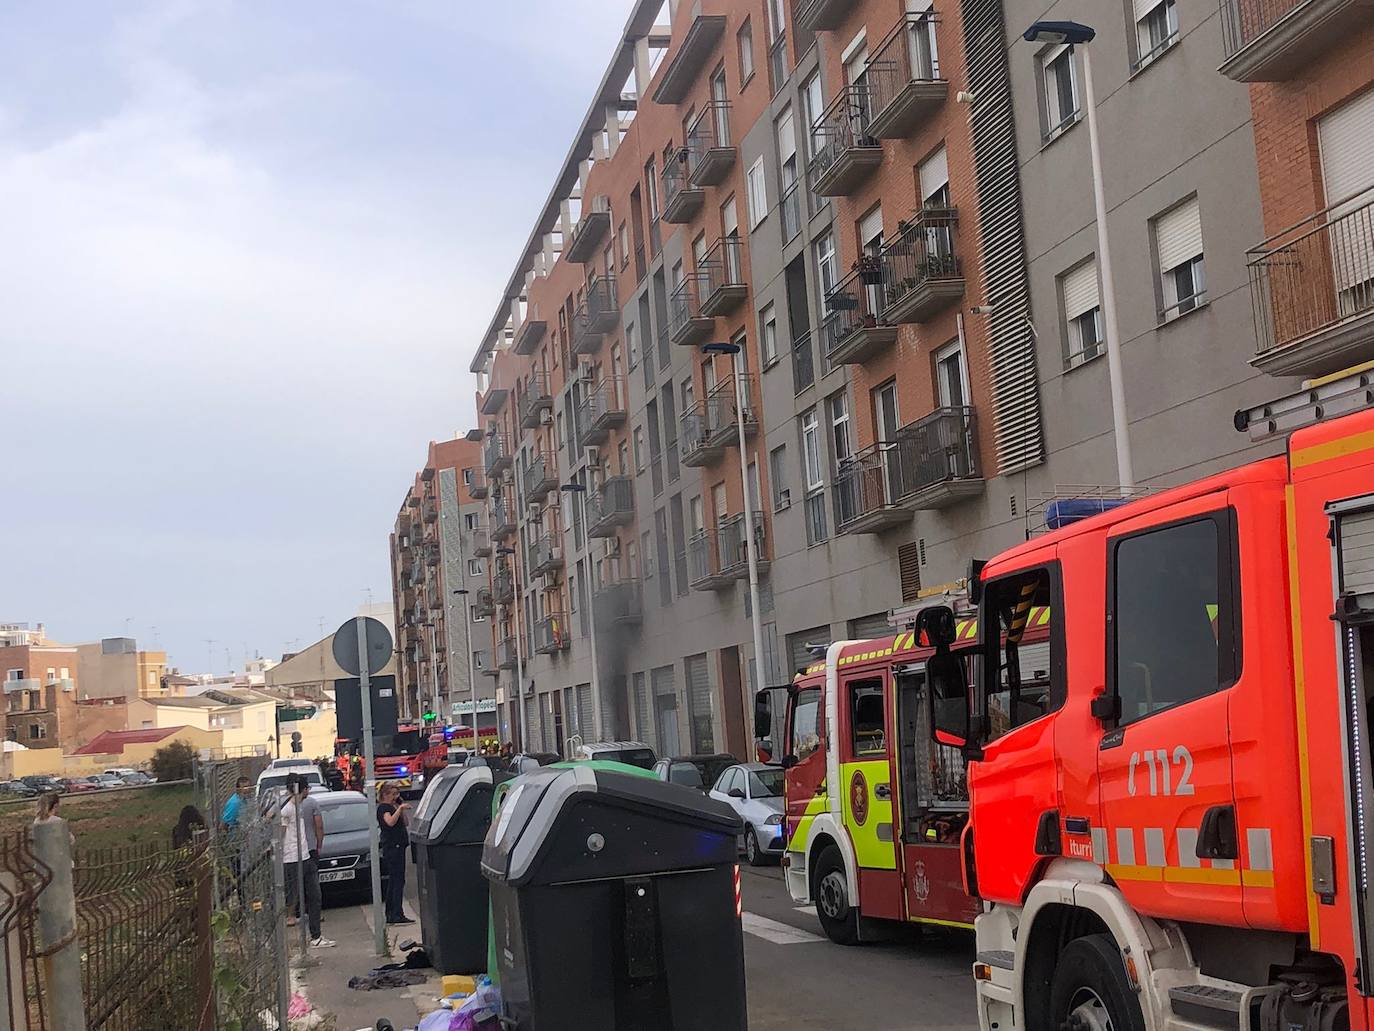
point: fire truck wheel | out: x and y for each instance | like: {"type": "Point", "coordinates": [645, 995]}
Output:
{"type": "Point", "coordinates": [1089, 991]}
{"type": "Point", "coordinates": [839, 920]}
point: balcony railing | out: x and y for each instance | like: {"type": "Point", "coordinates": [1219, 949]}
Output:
{"type": "Point", "coordinates": [687, 324]}
{"type": "Point", "coordinates": [481, 662]}
{"type": "Point", "coordinates": [541, 476]}
{"type": "Point", "coordinates": [721, 277]}
{"type": "Point", "coordinates": [551, 634]}
{"type": "Point", "coordinates": [1272, 40]}
{"type": "Point", "coordinates": [703, 563]}
{"type": "Point", "coordinates": [478, 487]}
{"type": "Point", "coordinates": [495, 454]}
{"type": "Point", "coordinates": [868, 486]}
{"type": "Point", "coordinates": [937, 459]}
{"type": "Point", "coordinates": [921, 273]}
{"type": "Point", "coordinates": [590, 231]}
{"type": "Point", "coordinates": [503, 586]}
{"type": "Point", "coordinates": [432, 554]}
{"type": "Point", "coordinates": [603, 409]}
{"type": "Point", "coordinates": [431, 510]}
{"type": "Point", "coordinates": [618, 601]}
{"type": "Point", "coordinates": [481, 543]}
{"type": "Point", "coordinates": [694, 437]}
{"type": "Point", "coordinates": [722, 406]}
{"type": "Point", "coordinates": [597, 315]}
{"type": "Point", "coordinates": [546, 553]}
{"type": "Point", "coordinates": [853, 330]}
{"type": "Point", "coordinates": [485, 605]}
{"type": "Point", "coordinates": [730, 543]}
{"type": "Point", "coordinates": [803, 363]}
{"type": "Point", "coordinates": [848, 151]}
{"type": "Point", "coordinates": [710, 151]}
{"type": "Point", "coordinates": [502, 519]}
{"type": "Point", "coordinates": [506, 653]}
{"type": "Point", "coordinates": [681, 200]}
{"type": "Point", "coordinates": [535, 400]}
{"type": "Point", "coordinates": [790, 205]}
{"type": "Point", "coordinates": [903, 76]}
{"type": "Point", "coordinates": [609, 506]}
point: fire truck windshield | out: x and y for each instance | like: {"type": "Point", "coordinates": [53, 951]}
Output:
{"type": "Point", "coordinates": [406, 742]}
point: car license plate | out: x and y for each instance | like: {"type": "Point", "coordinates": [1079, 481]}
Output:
{"type": "Point", "coordinates": [336, 875]}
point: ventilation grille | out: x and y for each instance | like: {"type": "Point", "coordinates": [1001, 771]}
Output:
{"type": "Point", "coordinates": [1016, 392]}
{"type": "Point", "coordinates": [909, 559]}
{"type": "Point", "coordinates": [1357, 554]}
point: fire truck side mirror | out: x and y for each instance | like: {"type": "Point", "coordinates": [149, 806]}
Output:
{"type": "Point", "coordinates": [763, 714]}
{"type": "Point", "coordinates": [947, 690]}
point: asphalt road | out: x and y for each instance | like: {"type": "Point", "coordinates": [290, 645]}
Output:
{"type": "Point", "coordinates": [798, 980]}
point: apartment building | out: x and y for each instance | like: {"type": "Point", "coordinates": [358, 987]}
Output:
{"type": "Point", "coordinates": [40, 695]}
{"type": "Point", "coordinates": [115, 667]}
{"type": "Point", "coordinates": [438, 566]}
{"type": "Point", "coordinates": [886, 206]}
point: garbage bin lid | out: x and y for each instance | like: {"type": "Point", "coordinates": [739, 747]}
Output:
{"type": "Point", "coordinates": [534, 801]}
{"type": "Point", "coordinates": [442, 797]}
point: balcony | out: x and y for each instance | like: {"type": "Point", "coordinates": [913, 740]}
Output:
{"type": "Point", "coordinates": [1272, 40]}
{"type": "Point", "coordinates": [790, 206]}
{"type": "Point", "coordinates": [603, 409]}
{"type": "Point", "coordinates": [535, 400]}
{"type": "Point", "coordinates": [852, 330]}
{"type": "Point", "coordinates": [502, 519]}
{"type": "Point", "coordinates": [681, 200]}
{"type": "Point", "coordinates": [597, 315]}
{"type": "Point", "coordinates": [481, 662]}
{"type": "Point", "coordinates": [619, 602]}
{"type": "Point", "coordinates": [477, 487]}
{"type": "Point", "coordinates": [905, 88]}
{"type": "Point", "coordinates": [938, 459]}
{"type": "Point", "coordinates": [529, 334]}
{"type": "Point", "coordinates": [485, 605]}
{"type": "Point", "coordinates": [551, 634]}
{"type": "Point", "coordinates": [721, 277]}
{"type": "Point", "coordinates": [868, 487]}
{"type": "Point", "coordinates": [694, 437]}
{"type": "Point", "coordinates": [687, 325]}
{"type": "Point", "coordinates": [921, 274]}
{"type": "Point", "coordinates": [481, 543]}
{"type": "Point", "coordinates": [803, 363]}
{"type": "Point", "coordinates": [503, 586]}
{"type": "Point", "coordinates": [507, 654]}
{"type": "Point", "coordinates": [406, 556]}
{"type": "Point", "coordinates": [723, 413]}
{"type": "Point", "coordinates": [703, 564]}
{"type": "Point", "coordinates": [710, 151]}
{"type": "Point", "coordinates": [730, 545]}
{"type": "Point", "coordinates": [610, 506]}
{"type": "Point", "coordinates": [494, 400]}
{"type": "Point", "coordinates": [687, 64]}
{"type": "Point", "coordinates": [546, 554]}
{"type": "Point", "coordinates": [1312, 290]}
{"type": "Point", "coordinates": [821, 14]}
{"type": "Point", "coordinates": [590, 230]}
{"type": "Point", "coordinates": [430, 508]}
{"type": "Point", "coordinates": [432, 554]}
{"type": "Point", "coordinates": [495, 455]}
{"type": "Point", "coordinates": [541, 476]}
{"type": "Point", "coordinates": [848, 152]}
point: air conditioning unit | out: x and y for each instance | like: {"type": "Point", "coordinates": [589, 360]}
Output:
{"type": "Point", "coordinates": [545, 417]}
{"type": "Point", "coordinates": [783, 501]}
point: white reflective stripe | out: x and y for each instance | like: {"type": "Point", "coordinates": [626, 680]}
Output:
{"type": "Point", "coordinates": [1261, 852]}
{"type": "Point", "coordinates": [1154, 846]}
{"type": "Point", "coordinates": [1187, 848]}
{"type": "Point", "coordinates": [1125, 846]}
{"type": "Point", "coordinates": [1100, 845]}
{"type": "Point", "coordinates": [1223, 864]}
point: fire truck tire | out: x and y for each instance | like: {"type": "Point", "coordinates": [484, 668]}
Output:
{"type": "Point", "coordinates": [839, 919]}
{"type": "Point", "coordinates": [1089, 990]}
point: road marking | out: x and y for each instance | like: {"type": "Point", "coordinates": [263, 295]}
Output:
{"type": "Point", "coordinates": [810, 910]}
{"type": "Point", "coordinates": [776, 932]}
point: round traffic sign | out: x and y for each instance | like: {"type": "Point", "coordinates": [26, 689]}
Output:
{"type": "Point", "coordinates": [377, 645]}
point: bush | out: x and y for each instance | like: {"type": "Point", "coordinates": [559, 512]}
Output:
{"type": "Point", "coordinates": [173, 762]}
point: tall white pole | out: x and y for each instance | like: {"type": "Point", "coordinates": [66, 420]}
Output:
{"type": "Point", "coordinates": [597, 714]}
{"type": "Point", "coordinates": [370, 785]}
{"type": "Point", "coordinates": [750, 550]}
{"type": "Point", "coordinates": [467, 630]}
{"type": "Point", "coordinates": [519, 660]}
{"type": "Point", "coordinates": [1125, 473]}
{"type": "Point", "coordinates": [434, 665]}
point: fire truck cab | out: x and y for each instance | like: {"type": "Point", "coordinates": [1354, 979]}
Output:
{"type": "Point", "coordinates": [1176, 833]}
{"type": "Point", "coordinates": [875, 806]}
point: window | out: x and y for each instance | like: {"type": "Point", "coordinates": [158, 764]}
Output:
{"type": "Point", "coordinates": [933, 176]}
{"type": "Point", "coordinates": [470, 521]}
{"type": "Point", "coordinates": [1156, 29]}
{"type": "Point", "coordinates": [639, 448]}
{"type": "Point", "coordinates": [811, 451]}
{"type": "Point", "coordinates": [37, 731]}
{"type": "Point", "coordinates": [687, 393]}
{"type": "Point", "coordinates": [951, 382]}
{"type": "Point", "coordinates": [744, 39]}
{"type": "Point", "coordinates": [467, 477]}
{"type": "Point", "coordinates": [768, 334]}
{"type": "Point", "coordinates": [1023, 681]}
{"type": "Point", "coordinates": [1082, 314]}
{"type": "Point", "coordinates": [827, 265]}
{"type": "Point", "coordinates": [1178, 246]}
{"type": "Point", "coordinates": [14, 674]}
{"type": "Point", "coordinates": [837, 408]}
{"type": "Point", "coordinates": [651, 181]}
{"type": "Point", "coordinates": [758, 194]}
{"type": "Point", "coordinates": [1172, 616]}
{"type": "Point", "coordinates": [632, 344]}
{"type": "Point", "coordinates": [867, 720]}
{"type": "Point", "coordinates": [1060, 91]}
{"type": "Point", "coordinates": [474, 567]}
{"type": "Point", "coordinates": [623, 458]}
{"type": "Point", "coordinates": [622, 242]}
{"type": "Point", "coordinates": [813, 99]}
{"type": "Point", "coordinates": [777, 476]}
{"type": "Point", "coordinates": [806, 723]}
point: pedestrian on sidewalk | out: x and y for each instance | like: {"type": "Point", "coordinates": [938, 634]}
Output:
{"type": "Point", "coordinates": [304, 831]}
{"type": "Point", "coordinates": [392, 816]}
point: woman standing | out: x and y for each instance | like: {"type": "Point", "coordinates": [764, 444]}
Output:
{"type": "Point", "coordinates": [392, 816]}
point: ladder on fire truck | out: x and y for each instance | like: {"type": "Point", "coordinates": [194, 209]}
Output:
{"type": "Point", "coordinates": [1327, 397]}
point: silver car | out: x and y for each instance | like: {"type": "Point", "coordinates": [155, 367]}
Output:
{"type": "Point", "coordinates": [754, 790]}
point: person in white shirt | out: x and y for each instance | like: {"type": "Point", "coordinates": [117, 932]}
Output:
{"type": "Point", "coordinates": [304, 830]}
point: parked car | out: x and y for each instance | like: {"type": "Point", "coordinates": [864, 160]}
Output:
{"type": "Point", "coordinates": [694, 771]}
{"type": "Point", "coordinates": [17, 788]}
{"type": "Point", "coordinates": [345, 867]}
{"type": "Point", "coordinates": [108, 780]}
{"type": "Point", "coordinates": [43, 782]}
{"type": "Point", "coordinates": [754, 790]}
{"type": "Point", "coordinates": [524, 762]}
{"type": "Point", "coordinates": [119, 771]}
{"type": "Point", "coordinates": [271, 780]}
{"type": "Point", "coordinates": [136, 779]}
{"type": "Point", "coordinates": [633, 753]}
{"type": "Point", "coordinates": [289, 763]}
{"type": "Point", "coordinates": [76, 785]}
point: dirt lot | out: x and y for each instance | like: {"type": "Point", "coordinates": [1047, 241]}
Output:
{"type": "Point", "coordinates": [131, 816]}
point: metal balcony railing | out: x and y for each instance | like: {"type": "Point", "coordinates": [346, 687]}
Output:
{"type": "Point", "coordinates": [503, 586]}
{"type": "Point", "coordinates": [723, 285]}
{"type": "Point", "coordinates": [722, 405]}
{"type": "Point", "coordinates": [687, 323]}
{"type": "Point", "coordinates": [597, 315]}
{"type": "Point", "coordinates": [546, 553]}
{"type": "Point", "coordinates": [710, 151]}
{"type": "Point", "coordinates": [852, 324]}
{"type": "Point", "coordinates": [535, 400]}
{"type": "Point", "coordinates": [1312, 282]}
{"type": "Point", "coordinates": [681, 199]}
{"type": "Point", "coordinates": [730, 544]}
{"type": "Point", "coordinates": [541, 476]}
{"type": "Point", "coordinates": [551, 634]}
{"type": "Point", "coordinates": [847, 149]}
{"type": "Point", "coordinates": [481, 662]}
{"type": "Point", "coordinates": [589, 231]}
{"type": "Point", "coordinates": [481, 542]}
{"type": "Point", "coordinates": [937, 451]}
{"type": "Point", "coordinates": [506, 653]}
{"type": "Point", "coordinates": [903, 78]}
{"type": "Point", "coordinates": [694, 436]}
{"type": "Point", "coordinates": [790, 206]}
{"type": "Point", "coordinates": [1244, 21]}
{"type": "Point", "coordinates": [920, 269]}
{"type": "Point", "coordinates": [432, 554]}
{"type": "Point", "coordinates": [478, 486]}
{"type": "Point", "coordinates": [618, 601]}
{"type": "Point", "coordinates": [495, 454]}
{"type": "Point", "coordinates": [485, 605]}
{"type": "Point", "coordinates": [502, 519]}
{"type": "Point", "coordinates": [868, 486]}
{"type": "Point", "coordinates": [610, 505]}
{"type": "Point", "coordinates": [431, 510]}
{"type": "Point", "coordinates": [703, 562]}
{"type": "Point", "coordinates": [602, 409]}
{"type": "Point", "coordinates": [803, 363]}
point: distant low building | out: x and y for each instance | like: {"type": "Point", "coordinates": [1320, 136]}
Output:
{"type": "Point", "coordinates": [116, 666]}
{"type": "Point", "coordinates": [40, 691]}
{"type": "Point", "coordinates": [245, 719]}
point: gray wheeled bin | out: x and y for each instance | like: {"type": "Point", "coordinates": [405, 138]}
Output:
{"type": "Point", "coordinates": [447, 831]}
{"type": "Point", "coordinates": [615, 904]}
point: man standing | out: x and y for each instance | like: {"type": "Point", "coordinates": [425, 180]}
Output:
{"type": "Point", "coordinates": [392, 818]}
{"type": "Point", "coordinates": [243, 789]}
{"type": "Point", "coordinates": [304, 826]}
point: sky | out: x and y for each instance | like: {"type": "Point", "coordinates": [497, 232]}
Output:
{"type": "Point", "coordinates": [247, 251]}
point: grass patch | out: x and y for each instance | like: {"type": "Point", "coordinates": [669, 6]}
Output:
{"type": "Point", "coordinates": [133, 816]}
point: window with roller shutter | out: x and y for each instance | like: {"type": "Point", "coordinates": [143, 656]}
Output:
{"type": "Point", "coordinates": [643, 720]}
{"type": "Point", "coordinates": [700, 710]}
{"type": "Point", "coordinates": [585, 726]}
{"type": "Point", "coordinates": [867, 627]}
{"type": "Point", "coordinates": [1346, 139]}
{"type": "Point", "coordinates": [1083, 336]}
{"type": "Point", "coordinates": [1178, 252]}
{"type": "Point", "coordinates": [798, 654]}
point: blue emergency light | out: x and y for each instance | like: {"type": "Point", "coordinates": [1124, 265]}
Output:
{"type": "Point", "coordinates": [1059, 514]}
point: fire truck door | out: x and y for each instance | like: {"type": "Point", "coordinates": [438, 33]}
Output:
{"type": "Point", "coordinates": [805, 753]}
{"type": "Point", "coordinates": [1167, 831]}
{"type": "Point", "coordinates": [866, 782]}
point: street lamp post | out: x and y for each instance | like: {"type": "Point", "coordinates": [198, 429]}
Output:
{"type": "Point", "coordinates": [472, 669]}
{"type": "Point", "coordinates": [750, 549]}
{"type": "Point", "coordinates": [579, 490]}
{"type": "Point", "coordinates": [519, 657]}
{"type": "Point", "coordinates": [1076, 34]}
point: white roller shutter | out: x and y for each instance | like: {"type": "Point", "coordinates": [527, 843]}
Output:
{"type": "Point", "coordinates": [1346, 138]}
{"type": "Point", "coordinates": [787, 137]}
{"type": "Point", "coordinates": [871, 227]}
{"type": "Point", "coordinates": [1080, 290]}
{"type": "Point", "coordinates": [1178, 235]}
{"type": "Point", "coordinates": [919, 6]}
{"type": "Point", "coordinates": [934, 174]}
{"type": "Point", "coordinates": [1143, 7]}
{"type": "Point", "coordinates": [699, 704]}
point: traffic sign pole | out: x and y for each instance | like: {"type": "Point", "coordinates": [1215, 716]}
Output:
{"type": "Point", "coordinates": [370, 783]}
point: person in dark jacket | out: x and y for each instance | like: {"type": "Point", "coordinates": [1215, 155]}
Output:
{"type": "Point", "coordinates": [392, 816]}
{"type": "Point", "coordinates": [188, 826]}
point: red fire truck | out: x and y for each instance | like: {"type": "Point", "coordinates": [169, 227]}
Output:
{"type": "Point", "coordinates": [1175, 831]}
{"type": "Point", "coordinates": [411, 754]}
{"type": "Point", "coordinates": [875, 807]}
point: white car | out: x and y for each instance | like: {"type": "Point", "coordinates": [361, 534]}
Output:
{"type": "Point", "coordinates": [754, 790]}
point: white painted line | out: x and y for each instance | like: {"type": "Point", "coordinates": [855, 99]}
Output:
{"type": "Point", "coordinates": [776, 932]}
{"type": "Point", "coordinates": [809, 910]}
